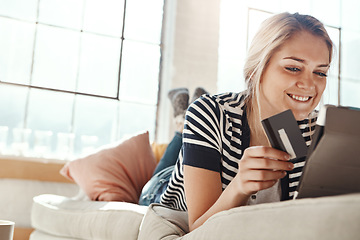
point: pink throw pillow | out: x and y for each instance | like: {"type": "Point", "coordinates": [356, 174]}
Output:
{"type": "Point", "coordinates": [115, 173]}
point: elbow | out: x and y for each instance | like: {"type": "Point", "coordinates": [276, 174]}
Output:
{"type": "Point", "coordinates": [193, 225]}
{"type": "Point", "coordinates": [191, 228]}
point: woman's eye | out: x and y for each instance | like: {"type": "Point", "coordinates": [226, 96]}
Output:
{"type": "Point", "coordinates": [321, 74]}
{"type": "Point", "coordinates": [293, 69]}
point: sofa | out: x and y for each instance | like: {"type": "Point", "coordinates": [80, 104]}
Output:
{"type": "Point", "coordinates": [58, 218]}
{"type": "Point", "coordinates": [110, 181]}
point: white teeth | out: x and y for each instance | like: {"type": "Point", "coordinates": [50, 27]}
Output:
{"type": "Point", "coordinates": [299, 98]}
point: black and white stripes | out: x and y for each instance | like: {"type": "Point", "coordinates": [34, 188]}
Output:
{"type": "Point", "coordinates": [307, 128]}
{"type": "Point", "coordinates": [215, 135]}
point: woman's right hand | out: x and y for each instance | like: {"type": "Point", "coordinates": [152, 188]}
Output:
{"type": "Point", "coordinates": [260, 168]}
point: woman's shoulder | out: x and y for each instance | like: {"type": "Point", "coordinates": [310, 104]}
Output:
{"type": "Point", "coordinates": [227, 99]}
{"type": "Point", "coordinates": [229, 105]}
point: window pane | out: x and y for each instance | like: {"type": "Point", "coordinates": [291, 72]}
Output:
{"type": "Point", "coordinates": [22, 9]}
{"type": "Point", "coordinates": [55, 112]}
{"type": "Point", "coordinates": [350, 54]}
{"type": "Point", "coordinates": [255, 19]}
{"type": "Point", "coordinates": [140, 72]}
{"type": "Point", "coordinates": [16, 43]}
{"type": "Point", "coordinates": [75, 45]}
{"type": "Point", "coordinates": [233, 22]}
{"type": "Point", "coordinates": [144, 23]}
{"type": "Point", "coordinates": [135, 118]}
{"type": "Point", "coordinates": [292, 6]}
{"type": "Point", "coordinates": [12, 107]}
{"type": "Point", "coordinates": [58, 13]}
{"type": "Point", "coordinates": [99, 66]}
{"type": "Point", "coordinates": [54, 116]}
{"type": "Point", "coordinates": [350, 15]}
{"type": "Point", "coordinates": [350, 93]}
{"type": "Point", "coordinates": [334, 34]}
{"type": "Point", "coordinates": [332, 14]}
{"type": "Point", "coordinates": [95, 122]}
{"type": "Point", "coordinates": [266, 5]}
{"type": "Point", "coordinates": [56, 58]}
{"type": "Point", "coordinates": [105, 17]}
{"type": "Point", "coordinates": [330, 95]}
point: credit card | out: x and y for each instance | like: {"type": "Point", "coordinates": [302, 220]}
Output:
{"type": "Point", "coordinates": [284, 134]}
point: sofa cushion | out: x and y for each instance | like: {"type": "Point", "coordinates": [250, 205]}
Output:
{"type": "Point", "coordinates": [331, 218]}
{"type": "Point", "coordinates": [162, 222]}
{"type": "Point", "coordinates": [115, 173]}
{"type": "Point", "coordinates": [38, 235]}
{"type": "Point", "coordinates": [65, 217]}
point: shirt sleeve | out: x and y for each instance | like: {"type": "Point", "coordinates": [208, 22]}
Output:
{"type": "Point", "coordinates": [202, 135]}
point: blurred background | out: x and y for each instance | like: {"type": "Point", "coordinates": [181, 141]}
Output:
{"type": "Point", "coordinates": [75, 75]}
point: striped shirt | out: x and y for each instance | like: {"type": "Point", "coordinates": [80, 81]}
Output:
{"type": "Point", "coordinates": [216, 133]}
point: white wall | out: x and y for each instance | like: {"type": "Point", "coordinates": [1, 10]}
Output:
{"type": "Point", "coordinates": [190, 54]}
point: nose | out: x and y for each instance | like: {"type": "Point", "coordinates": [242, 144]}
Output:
{"type": "Point", "coordinates": [306, 82]}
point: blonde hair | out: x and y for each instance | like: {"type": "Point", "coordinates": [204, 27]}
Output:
{"type": "Point", "coordinates": [273, 33]}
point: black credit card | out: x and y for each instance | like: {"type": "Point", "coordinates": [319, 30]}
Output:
{"type": "Point", "coordinates": [284, 134]}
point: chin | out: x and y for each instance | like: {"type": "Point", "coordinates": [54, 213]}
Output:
{"type": "Point", "coordinates": [302, 112]}
{"type": "Point", "coordinates": [300, 115]}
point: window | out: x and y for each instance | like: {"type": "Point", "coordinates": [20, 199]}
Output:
{"type": "Point", "coordinates": [75, 75]}
{"type": "Point", "coordinates": [239, 21]}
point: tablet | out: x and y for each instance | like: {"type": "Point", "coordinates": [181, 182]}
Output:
{"type": "Point", "coordinates": [333, 159]}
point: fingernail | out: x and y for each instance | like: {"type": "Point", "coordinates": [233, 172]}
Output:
{"type": "Point", "coordinates": [287, 157]}
{"type": "Point", "coordinates": [291, 166]}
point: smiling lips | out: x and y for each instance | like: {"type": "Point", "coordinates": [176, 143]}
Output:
{"type": "Point", "coordinates": [299, 98]}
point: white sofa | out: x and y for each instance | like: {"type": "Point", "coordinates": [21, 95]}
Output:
{"type": "Point", "coordinates": [58, 218]}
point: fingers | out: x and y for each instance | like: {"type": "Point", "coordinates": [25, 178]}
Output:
{"type": "Point", "coordinates": [251, 182]}
{"type": "Point", "coordinates": [268, 164]}
{"type": "Point", "coordinates": [267, 152]}
{"type": "Point", "coordinates": [263, 175]}
{"type": "Point", "coordinates": [266, 158]}
{"type": "Point", "coordinates": [261, 167]}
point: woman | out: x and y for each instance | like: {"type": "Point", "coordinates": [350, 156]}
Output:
{"type": "Point", "coordinates": [285, 69]}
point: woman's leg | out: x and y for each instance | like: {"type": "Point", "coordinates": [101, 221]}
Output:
{"type": "Point", "coordinates": [153, 189]}
{"type": "Point", "coordinates": [171, 153]}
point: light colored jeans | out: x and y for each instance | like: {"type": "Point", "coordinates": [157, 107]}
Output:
{"type": "Point", "coordinates": [153, 189]}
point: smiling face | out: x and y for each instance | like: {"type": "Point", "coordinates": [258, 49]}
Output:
{"type": "Point", "coordinates": [295, 76]}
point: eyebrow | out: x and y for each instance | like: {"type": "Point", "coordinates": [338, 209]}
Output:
{"type": "Point", "coordinates": [303, 61]}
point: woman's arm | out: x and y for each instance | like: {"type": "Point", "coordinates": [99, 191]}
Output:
{"type": "Point", "coordinates": [204, 196]}
{"type": "Point", "coordinates": [259, 168]}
